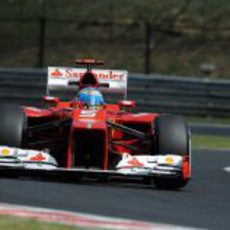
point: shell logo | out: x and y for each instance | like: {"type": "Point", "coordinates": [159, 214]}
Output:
{"type": "Point", "coordinates": [169, 160]}
{"type": "Point", "coordinates": [5, 152]}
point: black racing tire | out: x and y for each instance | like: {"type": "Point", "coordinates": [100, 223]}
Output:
{"type": "Point", "coordinates": [172, 136]}
{"type": "Point", "coordinates": [12, 125]}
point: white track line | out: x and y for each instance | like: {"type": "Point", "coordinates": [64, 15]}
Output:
{"type": "Point", "coordinates": [82, 220]}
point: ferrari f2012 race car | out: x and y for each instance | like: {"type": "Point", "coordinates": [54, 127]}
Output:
{"type": "Point", "coordinates": [86, 137]}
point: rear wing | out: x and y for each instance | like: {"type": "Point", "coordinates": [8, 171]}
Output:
{"type": "Point", "coordinates": [63, 81]}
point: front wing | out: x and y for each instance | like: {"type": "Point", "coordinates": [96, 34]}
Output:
{"type": "Point", "coordinates": [16, 162]}
{"type": "Point", "coordinates": [75, 175]}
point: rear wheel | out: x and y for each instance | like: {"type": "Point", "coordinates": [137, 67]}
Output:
{"type": "Point", "coordinates": [172, 137]}
{"type": "Point", "coordinates": [12, 125]}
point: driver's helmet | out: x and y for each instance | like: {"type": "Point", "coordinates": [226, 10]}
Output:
{"type": "Point", "coordinates": [90, 97]}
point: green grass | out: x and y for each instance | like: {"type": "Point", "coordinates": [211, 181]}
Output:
{"type": "Point", "coordinates": [203, 141]}
{"type": "Point", "coordinates": [212, 142]}
{"type": "Point", "coordinates": [13, 223]}
{"type": "Point", "coordinates": [209, 120]}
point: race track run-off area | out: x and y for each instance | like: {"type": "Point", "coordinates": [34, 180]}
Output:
{"type": "Point", "coordinates": [204, 203]}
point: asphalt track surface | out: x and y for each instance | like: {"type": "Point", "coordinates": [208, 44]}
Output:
{"type": "Point", "coordinates": [204, 203]}
{"type": "Point", "coordinates": [210, 129]}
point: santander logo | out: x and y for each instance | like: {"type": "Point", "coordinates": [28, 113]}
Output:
{"type": "Point", "coordinates": [77, 74]}
{"type": "Point", "coordinates": [56, 73]}
{"type": "Point", "coordinates": [135, 162]}
{"type": "Point", "coordinates": [38, 157]}
{"type": "Point", "coordinates": [103, 75]}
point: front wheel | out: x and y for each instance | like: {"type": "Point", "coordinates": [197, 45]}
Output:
{"type": "Point", "coordinates": [13, 124]}
{"type": "Point", "coordinates": [172, 136]}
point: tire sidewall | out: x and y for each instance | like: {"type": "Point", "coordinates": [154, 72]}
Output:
{"type": "Point", "coordinates": [13, 124]}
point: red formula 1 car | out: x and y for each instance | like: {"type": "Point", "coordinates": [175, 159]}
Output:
{"type": "Point", "coordinates": [87, 137]}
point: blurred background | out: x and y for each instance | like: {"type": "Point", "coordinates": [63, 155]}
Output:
{"type": "Point", "coordinates": [179, 37]}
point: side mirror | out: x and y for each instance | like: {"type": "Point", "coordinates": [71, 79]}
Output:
{"type": "Point", "coordinates": [127, 104]}
{"type": "Point", "coordinates": [50, 101]}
